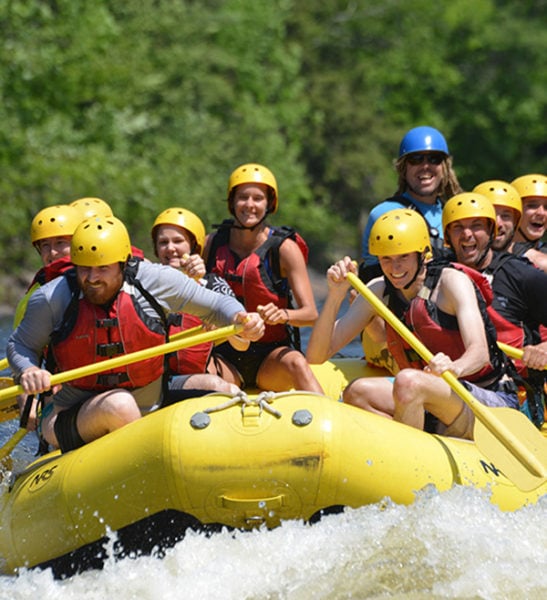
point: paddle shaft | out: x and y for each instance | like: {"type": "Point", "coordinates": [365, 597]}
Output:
{"type": "Point", "coordinates": [120, 361]}
{"type": "Point", "coordinates": [7, 448]}
{"type": "Point", "coordinates": [485, 416]}
{"type": "Point", "coordinates": [4, 364]}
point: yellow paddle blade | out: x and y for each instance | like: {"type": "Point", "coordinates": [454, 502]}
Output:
{"type": "Point", "coordinates": [527, 466]}
{"type": "Point", "coordinates": [504, 458]}
{"type": "Point", "coordinates": [11, 410]}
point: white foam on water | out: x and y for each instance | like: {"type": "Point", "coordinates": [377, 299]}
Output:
{"type": "Point", "coordinates": [454, 544]}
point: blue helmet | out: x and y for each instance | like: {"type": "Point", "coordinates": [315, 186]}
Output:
{"type": "Point", "coordinates": [421, 139]}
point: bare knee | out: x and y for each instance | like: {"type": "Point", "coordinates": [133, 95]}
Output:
{"type": "Point", "coordinates": [373, 394]}
{"type": "Point", "coordinates": [407, 387]}
{"type": "Point", "coordinates": [107, 412]}
{"type": "Point", "coordinates": [284, 368]}
{"type": "Point", "coordinates": [358, 393]}
{"type": "Point", "coordinates": [208, 381]}
{"type": "Point", "coordinates": [295, 363]}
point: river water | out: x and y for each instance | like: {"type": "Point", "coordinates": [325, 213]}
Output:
{"type": "Point", "coordinates": [450, 545]}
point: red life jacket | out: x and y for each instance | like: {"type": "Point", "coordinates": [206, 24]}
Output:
{"type": "Point", "coordinates": [52, 271]}
{"type": "Point", "coordinates": [90, 334]}
{"type": "Point", "coordinates": [506, 331]}
{"type": "Point", "coordinates": [188, 360]}
{"type": "Point", "coordinates": [256, 279]}
{"type": "Point", "coordinates": [439, 332]}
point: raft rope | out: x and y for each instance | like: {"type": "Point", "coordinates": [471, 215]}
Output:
{"type": "Point", "coordinates": [263, 401]}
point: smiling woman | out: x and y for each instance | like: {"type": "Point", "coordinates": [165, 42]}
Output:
{"type": "Point", "coordinates": [267, 269]}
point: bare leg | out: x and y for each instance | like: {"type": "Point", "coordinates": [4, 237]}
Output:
{"type": "Point", "coordinates": [415, 391]}
{"type": "Point", "coordinates": [285, 368]}
{"type": "Point", "coordinates": [219, 366]}
{"type": "Point", "coordinates": [374, 394]}
{"type": "Point", "coordinates": [207, 381]}
{"type": "Point", "coordinates": [98, 416]}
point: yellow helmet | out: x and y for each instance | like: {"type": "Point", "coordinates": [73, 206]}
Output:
{"type": "Point", "coordinates": [399, 231]}
{"type": "Point", "coordinates": [531, 185]}
{"type": "Point", "coordinates": [92, 207]}
{"type": "Point", "coordinates": [100, 241]}
{"type": "Point", "coordinates": [180, 217]}
{"type": "Point", "coordinates": [501, 193]}
{"type": "Point", "coordinates": [54, 221]}
{"type": "Point", "coordinates": [468, 205]}
{"type": "Point", "coordinates": [254, 173]}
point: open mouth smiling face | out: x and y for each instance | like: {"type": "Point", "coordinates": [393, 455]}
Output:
{"type": "Point", "coordinates": [399, 268]}
{"type": "Point", "coordinates": [534, 211]}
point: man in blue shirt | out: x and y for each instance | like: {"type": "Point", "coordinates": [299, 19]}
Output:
{"type": "Point", "coordinates": [426, 181]}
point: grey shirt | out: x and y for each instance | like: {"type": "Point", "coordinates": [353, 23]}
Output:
{"type": "Point", "coordinates": [174, 291]}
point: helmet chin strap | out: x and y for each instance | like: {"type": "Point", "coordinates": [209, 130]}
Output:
{"type": "Point", "coordinates": [418, 269]}
{"type": "Point", "coordinates": [238, 225]}
{"type": "Point", "coordinates": [487, 248]}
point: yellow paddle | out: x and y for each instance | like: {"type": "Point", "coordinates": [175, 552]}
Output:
{"type": "Point", "coordinates": [7, 448]}
{"type": "Point", "coordinates": [176, 336]}
{"type": "Point", "coordinates": [120, 361]}
{"type": "Point", "coordinates": [10, 410]}
{"type": "Point", "coordinates": [186, 333]}
{"type": "Point", "coordinates": [7, 413]}
{"type": "Point", "coordinates": [4, 364]}
{"type": "Point", "coordinates": [513, 352]}
{"type": "Point", "coordinates": [504, 435]}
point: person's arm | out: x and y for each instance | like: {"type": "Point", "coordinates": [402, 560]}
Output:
{"type": "Point", "coordinates": [537, 258]}
{"type": "Point", "coordinates": [176, 292]}
{"type": "Point", "coordinates": [26, 344]}
{"type": "Point", "coordinates": [43, 313]}
{"type": "Point", "coordinates": [457, 297]}
{"type": "Point", "coordinates": [293, 267]}
{"type": "Point", "coordinates": [329, 334]}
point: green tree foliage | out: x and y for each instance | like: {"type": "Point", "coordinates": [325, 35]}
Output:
{"type": "Point", "coordinates": [152, 103]}
{"type": "Point", "coordinates": [147, 104]}
{"type": "Point", "coordinates": [473, 68]}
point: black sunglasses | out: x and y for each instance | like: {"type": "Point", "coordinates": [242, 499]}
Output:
{"type": "Point", "coordinates": [418, 159]}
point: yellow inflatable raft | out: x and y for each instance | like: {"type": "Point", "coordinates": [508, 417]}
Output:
{"type": "Point", "coordinates": [240, 462]}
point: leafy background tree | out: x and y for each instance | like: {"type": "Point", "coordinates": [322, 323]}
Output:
{"type": "Point", "coordinates": [152, 103]}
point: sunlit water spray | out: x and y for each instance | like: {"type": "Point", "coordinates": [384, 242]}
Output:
{"type": "Point", "coordinates": [450, 545]}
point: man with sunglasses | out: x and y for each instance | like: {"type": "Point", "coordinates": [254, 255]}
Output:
{"type": "Point", "coordinates": [426, 180]}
